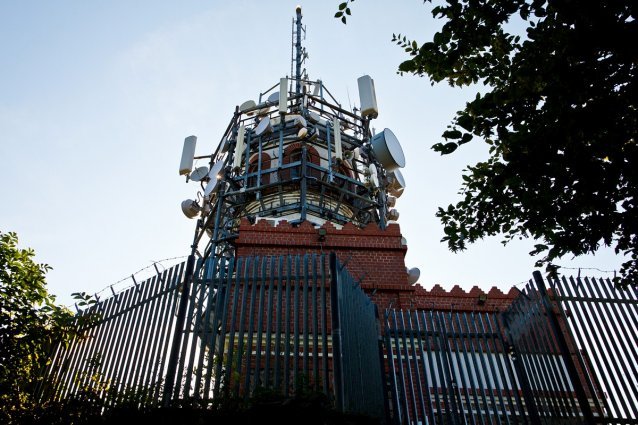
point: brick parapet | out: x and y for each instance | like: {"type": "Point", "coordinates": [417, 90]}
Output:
{"type": "Point", "coordinates": [373, 256]}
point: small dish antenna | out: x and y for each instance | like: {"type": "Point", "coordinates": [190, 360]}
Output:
{"type": "Point", "coordinates": [248, 105]}
{"type": "Point", "coordinates": [199, 174]}
{"type": "Point", "coordinates": [297, 120]}
{"type": "Point", "coordinates": [373, 179]}
{"type": "Point", "coordinates": [215, 177]}
{"type": "Point", "coordinates": [413, 275]}
{"type": "Point", "coordinates": [190, 208]}
{"type": "Point", "coordinates": [263, 127]}
{"type": "Point", "coordinates": [392, 215]}
{"type": "Point", "coordinates": [273, 98]}
{"type": "Point", "coordinates": [315, 118]}
{"type": "Point", "coordinates": [396, 183]}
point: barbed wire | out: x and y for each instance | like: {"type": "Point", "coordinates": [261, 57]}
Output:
{"type": "Point", "coordinates": [130, 276]}
{"type": "Point", "coordinates": [587, 268]}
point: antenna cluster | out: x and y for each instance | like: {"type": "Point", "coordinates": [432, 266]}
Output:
{"type": "Point", "coordinates": [295, 154]}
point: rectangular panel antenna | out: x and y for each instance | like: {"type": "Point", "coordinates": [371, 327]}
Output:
{"type": "Point", "coordinates": [188, 154]}
{"type": "Point", "coordinates": [239, 148]}
{"type": "Point", "coordinates": [283, 95]}
{"type": "Point", "coordinates": [367, 97]}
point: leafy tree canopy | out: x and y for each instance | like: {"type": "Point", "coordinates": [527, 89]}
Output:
{"type": "Point", "coordinates": [30, 323]}
{"type": "Point", "coordinates": [560, 116]}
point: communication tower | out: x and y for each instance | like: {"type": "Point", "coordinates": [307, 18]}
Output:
{"type": "Point", "coordinates": [295, 154]}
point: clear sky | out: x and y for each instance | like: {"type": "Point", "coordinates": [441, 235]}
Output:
{"type": "Point", "coordinates": [97, 97]}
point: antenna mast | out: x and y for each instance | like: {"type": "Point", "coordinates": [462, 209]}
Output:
{"type": "Point", "coordinates": [298, 51]}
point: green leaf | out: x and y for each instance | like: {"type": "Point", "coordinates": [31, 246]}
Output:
{"type": "Point", "coordinates": [343, 5]}
{"type": "Point", "coordinates": [452, 134]}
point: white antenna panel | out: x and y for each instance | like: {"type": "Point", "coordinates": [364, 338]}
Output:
{"type": "Point", "coordinates": [283, 95]}
{"type": "Point", "coordinates": [337, 129]}
{"type": "Point", "coordinates": [317, 89]}
{"type": "Point", "coordinates": [188, 154]}
{"type": "Point", "coordinates": [239, 148]}
{"type": "Point", "coordinates": [367, 97]}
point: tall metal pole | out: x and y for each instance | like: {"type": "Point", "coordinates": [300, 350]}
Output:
{"type": "Point", "coordinates": [173, 359]}
{"type": "Point", "coordinates": [298, 51]}
{"type": "Point", "coordinates": [336, 332]}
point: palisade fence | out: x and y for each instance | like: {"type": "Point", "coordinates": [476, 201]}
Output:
{"type": "Point", "coordinates": [603, 323]}
{"type": "Point", "coordinates": [295, 325]}
{"type": "Point", "coordinates": [292, 325]}
{"type": "Point", "coordinates": [562, 356]}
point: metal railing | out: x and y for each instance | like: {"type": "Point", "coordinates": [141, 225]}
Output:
{"type": "Point", "coordinates": [300, 324]}
{"type": "Point", "coordinates": [242, 325]}
{"type": "Point", "coordinates": [602, 322]}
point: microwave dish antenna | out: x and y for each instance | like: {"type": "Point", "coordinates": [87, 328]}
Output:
{"type": "Point", "coordinates": [199, 174]}
{"type": "Point", "coordinates": [388, 150]}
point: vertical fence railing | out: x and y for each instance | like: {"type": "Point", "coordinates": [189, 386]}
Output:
{"type": "Point", "coordinates": [299, 324]}
{"type": "Point", "coordinates": [256, 323]}
{"type": "Point", "coordinates": [450, 368]}
{"type": "Point", "coordinates": [239, 325]}
{"type": "Point", "coordinates": [602, 320]}
{"type": "Point", "coordinates": [120, 348]}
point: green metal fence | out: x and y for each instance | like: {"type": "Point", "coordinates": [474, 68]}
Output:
{"type": "Point", "coordinates": [237, 326]}
{"type": "Point", "coordinates": [564, 356]}
{"type": "Point", "coordinates": [300, 324]}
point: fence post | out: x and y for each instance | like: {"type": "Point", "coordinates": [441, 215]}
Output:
{"type": "Point", "coordinates": [336, 332]}
{"type": "Point", "coordinates": [384, 380]}
{"type": "Point", "coordinates": [177, 335]}
{"type": "Point", "coordinates": [564, 348]}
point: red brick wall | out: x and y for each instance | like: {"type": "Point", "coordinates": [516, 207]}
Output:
{"type": "Point", "coordinates": [372, 255]}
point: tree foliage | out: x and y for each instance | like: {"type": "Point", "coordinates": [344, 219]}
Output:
{"type": "Point", "coordinates": [559, 113]}
{"type": "Point", "coordinates": [30, 324]}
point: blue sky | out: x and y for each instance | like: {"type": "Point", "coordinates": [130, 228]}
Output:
{"type": "Point", "coordinates": [97, 97]}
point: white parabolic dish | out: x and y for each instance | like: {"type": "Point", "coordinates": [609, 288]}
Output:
{"type": "Point", "coordinates": [388, 150]}
{"type": "Point", "coordinates": [263, 126]}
